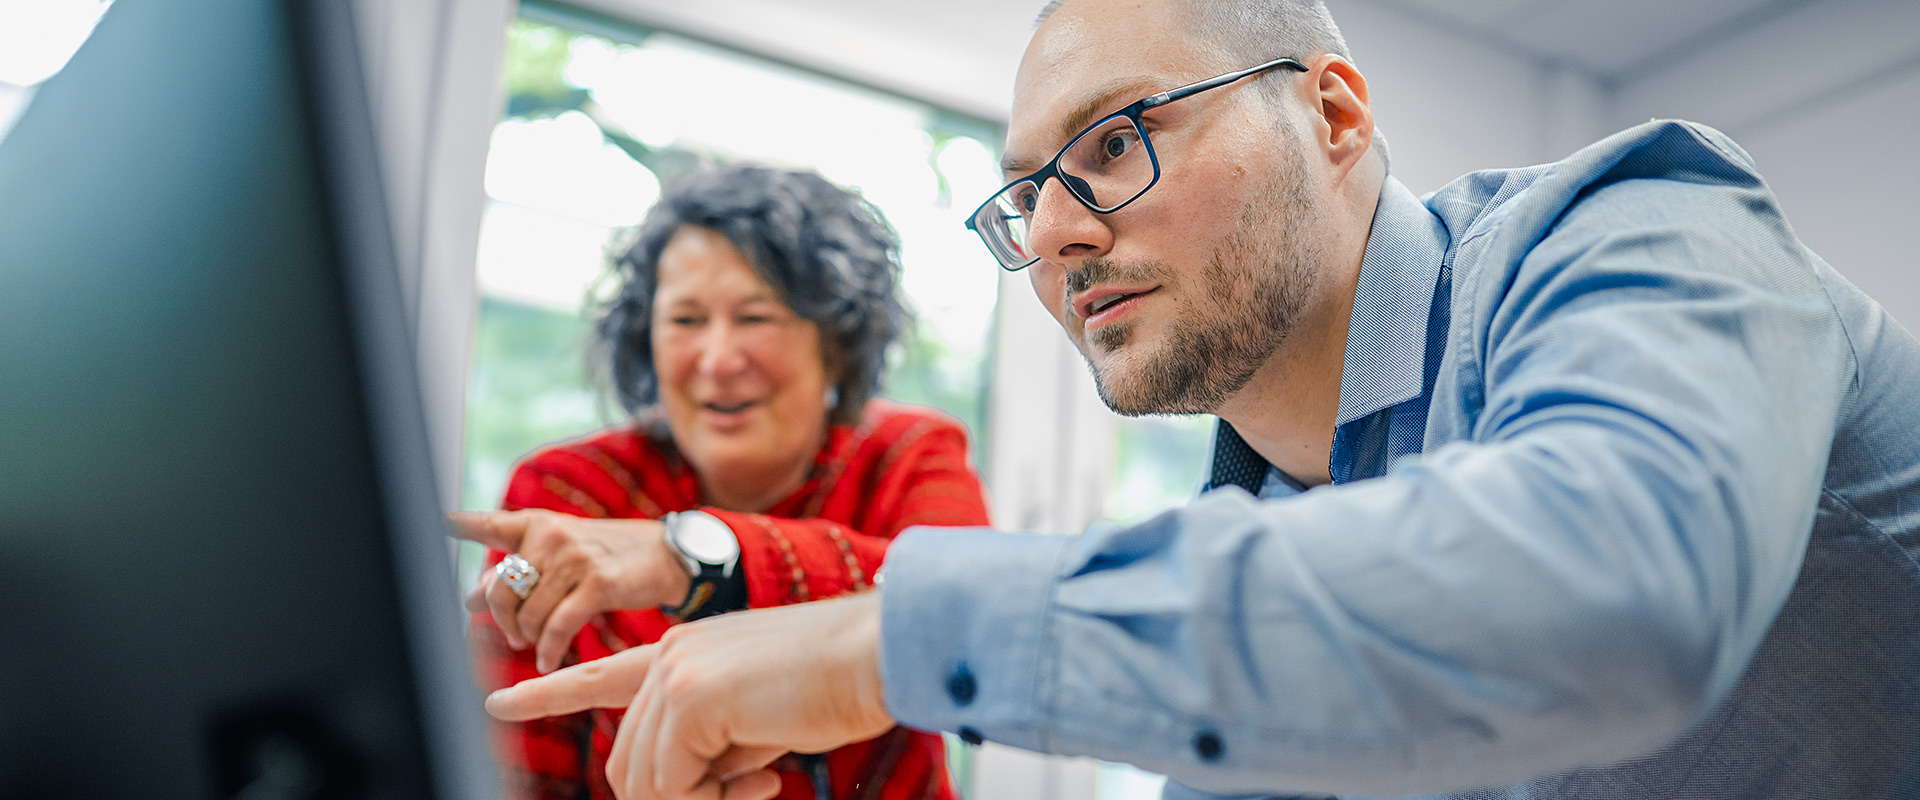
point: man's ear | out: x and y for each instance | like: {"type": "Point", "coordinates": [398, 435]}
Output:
{"type": "Point", "coordinates": [1341, 115]}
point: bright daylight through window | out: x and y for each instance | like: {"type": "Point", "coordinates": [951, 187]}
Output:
{"type": "Point", "coordinates": [37, 37]}
{"type": "Point", "coordinates": [596, 124]}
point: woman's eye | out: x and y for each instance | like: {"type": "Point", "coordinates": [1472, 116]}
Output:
{"type": "Point", "coordinates": [684, 322]}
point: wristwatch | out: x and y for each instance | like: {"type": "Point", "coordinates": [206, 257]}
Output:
{"type": "Point", "coordinates": [710, 553]}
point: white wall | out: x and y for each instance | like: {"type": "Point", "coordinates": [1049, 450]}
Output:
{"type": "Point", "coordinates": [1827, 100]}
{"type": "Point", "coordinates": [1450, 103]}
{"type": "Point", "coordinates": [1849, 187]}
{"type": "Point", "coordinates": [1825, 96]}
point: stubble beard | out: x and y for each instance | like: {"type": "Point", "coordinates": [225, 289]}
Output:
{"type": "Point", "coordinates": [1255, 286]}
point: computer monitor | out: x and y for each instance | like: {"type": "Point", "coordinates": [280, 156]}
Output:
{"type": "Point", "coordinates": [223, 569]}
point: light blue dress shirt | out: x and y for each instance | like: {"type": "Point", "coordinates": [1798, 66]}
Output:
{"type": "Point", "coordinates": [1626, 503]}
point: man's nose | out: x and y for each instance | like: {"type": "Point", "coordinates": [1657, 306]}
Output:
{"type": "Point", "coordinates": [1063, 229]}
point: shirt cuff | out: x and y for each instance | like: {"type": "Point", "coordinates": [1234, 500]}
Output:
{"type": "Point", "coordinates": [965, 634]}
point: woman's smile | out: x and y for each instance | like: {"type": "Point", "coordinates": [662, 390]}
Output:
{"type": "Point", "coordinates": [728, 417]}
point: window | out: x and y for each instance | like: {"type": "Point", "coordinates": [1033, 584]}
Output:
{"type": "Point", "coordinates": [599, 116]}
{"type": "Point", "coordinates": [1159, 463]}
{"type": "Point", "coordinates": [36, 40]}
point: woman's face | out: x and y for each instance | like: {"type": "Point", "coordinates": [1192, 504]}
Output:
{"type": "Point", "coordinates": [743, 379]}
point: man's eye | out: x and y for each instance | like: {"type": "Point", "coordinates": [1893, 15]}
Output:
{"type": "Point", "coordinates": [1028, 202]}
{"type": "Point", "coordinates": [684, 322]}
{"type": "Point", "coordinates": [1119, 143]}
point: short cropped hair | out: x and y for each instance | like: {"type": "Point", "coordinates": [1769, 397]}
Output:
{"type": "Point", "coordinates": [829, 254]}
{"type": "Point", "coordinates": [1243, 33]}
{"type": "Point", "coordinates": [1249, 32]}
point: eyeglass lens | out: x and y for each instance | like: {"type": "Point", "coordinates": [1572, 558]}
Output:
{"type": "Point", "coordinates": [1106, 167]}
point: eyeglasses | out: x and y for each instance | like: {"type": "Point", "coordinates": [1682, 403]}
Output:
{"type": "Point", "coordinates": [1105, 167]}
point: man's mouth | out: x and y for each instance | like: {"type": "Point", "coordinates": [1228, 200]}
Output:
{"type": "Point", "coordinates": [1107, 302]}
{"type": "Point", "coordinates": [1111, 300]}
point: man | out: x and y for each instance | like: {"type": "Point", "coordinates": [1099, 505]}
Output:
{"type": "Point", "coordinates": [1585, 480]}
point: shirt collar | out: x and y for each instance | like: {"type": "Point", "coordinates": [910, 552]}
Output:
{"type": "Point", "coordinates": [1392, 300]}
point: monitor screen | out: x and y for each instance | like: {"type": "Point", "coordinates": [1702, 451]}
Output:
{"type": "Point", "coordinates": [223, 571]}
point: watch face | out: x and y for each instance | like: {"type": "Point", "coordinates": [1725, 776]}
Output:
{"type": "Point", "coordinates": [705, 538]}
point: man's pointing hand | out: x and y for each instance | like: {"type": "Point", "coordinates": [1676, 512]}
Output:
{"type": "Point", "coordinates": [715, 702]}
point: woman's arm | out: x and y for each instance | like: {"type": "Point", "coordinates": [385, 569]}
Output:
{"type": "Point", "coordinates": [921, 477]}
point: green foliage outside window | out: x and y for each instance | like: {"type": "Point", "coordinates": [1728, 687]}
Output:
{"type": "Point", "coordinates": [530, 384]}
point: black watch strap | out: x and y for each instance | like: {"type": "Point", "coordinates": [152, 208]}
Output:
{"type": "Point", "coordinates": [712, 592]}
{"type": "Point", "coordinates": [710, 552]}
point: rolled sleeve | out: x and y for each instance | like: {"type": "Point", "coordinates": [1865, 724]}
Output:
{"type": "Point", "coordinates": [957, 656]}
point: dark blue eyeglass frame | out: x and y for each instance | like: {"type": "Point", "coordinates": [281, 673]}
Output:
{"type": "Point", "coordinates": [1078, 187]}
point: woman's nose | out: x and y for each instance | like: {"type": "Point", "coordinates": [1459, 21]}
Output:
{"type": "Point", "coordinates": [721, 351]}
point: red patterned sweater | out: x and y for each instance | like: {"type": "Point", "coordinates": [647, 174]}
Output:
{"type": "Point", "coordinates": [902, 466]}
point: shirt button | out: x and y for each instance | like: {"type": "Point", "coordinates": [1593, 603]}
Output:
{"type": "Point", "coordinates": [961, 686]}
{"type": "Point", "coordinates": [1208, 746]}
{"type": "Point", "coordinates": [970, 736]}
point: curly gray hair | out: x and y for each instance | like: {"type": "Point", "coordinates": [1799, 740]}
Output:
{"type": "Point", "coordinates": [829, 254]}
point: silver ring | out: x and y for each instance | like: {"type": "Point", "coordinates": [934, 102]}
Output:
{"type": "Point", "coordinates": [519, 575]}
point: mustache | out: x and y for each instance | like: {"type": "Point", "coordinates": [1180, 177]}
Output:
{"type": "Point", "coordinates": [1101, 269]}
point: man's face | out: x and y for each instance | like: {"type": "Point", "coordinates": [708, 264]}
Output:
{"type": "Point", "coordinates": [1177, 299]}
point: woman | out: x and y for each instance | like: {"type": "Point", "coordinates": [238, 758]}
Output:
{"type": "Point", "coordinates": [747, 338]}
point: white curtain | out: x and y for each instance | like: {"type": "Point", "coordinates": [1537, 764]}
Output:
{"type": "Point", "coordinates": [433, 70]}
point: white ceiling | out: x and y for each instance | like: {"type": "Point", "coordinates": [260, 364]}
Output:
{"type": "Point", "coordinates": [963, 55]}
{"type": "Point", "coordinates": [1609, 39]}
